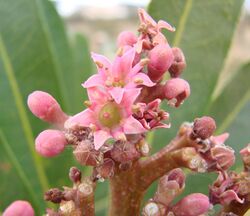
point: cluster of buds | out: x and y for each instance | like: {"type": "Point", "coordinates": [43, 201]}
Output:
{"type": "Point", "coordinates": [169, 187]}
{"type": "Point", "coordinates": [110, 135]}
{"type": "Point", "coordinates": [121, 107]}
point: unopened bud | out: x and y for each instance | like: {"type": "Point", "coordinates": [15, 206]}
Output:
{"type": "Point", "coordinates": [106, 169]}
{"type": "Point", "coordinates": [50, 143]}
{"type": "Point", "coordinates": [224, 156]}
{"type": "Point", "coordinates": [126, 38]}
{"type": "Point", "coordinates": [153, 209]}
{"type": "Point", "coordinates": [204, 127]}
{"type": "Point", "coordinates": [124, 151]}
{"type": "Point", "coordinates": [54, 195]}
{"type": "Point", "coordinates": [176, 91]}
{"type": "Point", "coordinates": [19, 207]}
{"type": "Point", "coordinates": [45, 107]}
{"type": "Point", "coordinates": [192, 205]}
{"type": "Point", "coordinates": [85, 154]}
{"type": "Point", "coordinates": [179, 63]}
{"type": "Point", "coordinates": [75, 174]}
{"type": "Point", "coordinates": [160, 59]}
{"type": "Point", "coordinates": [170, 186]}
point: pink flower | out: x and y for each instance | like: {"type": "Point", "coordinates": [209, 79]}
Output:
{"type": "Point", "coordinates": [119, 75]}
{"type": "Point", "coordinates": [106, 117]}
{"type": "Point", "coordinates": [19, 207]}
{"type": "Point", "coordinates": [150, 31]}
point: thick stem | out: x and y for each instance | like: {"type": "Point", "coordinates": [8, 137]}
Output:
{"type": "Point", "coordinates": [237, 208]}
{"type": "Point", "coordinates": [126, 196]}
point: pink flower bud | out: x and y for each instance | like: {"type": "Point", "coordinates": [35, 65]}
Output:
{"type": "Point", "coordinates": [170, 186]}
{"type": "Point", "coordinates": [50, 143]}
{"type": "Point", "coordinates": [126, 38]}
{"type": "Point", "coordinates": [75, 174]}
{"type": "Point", "coordinates": [204, 127]}
{"type": "Point", "coordinates": [192, 205]}
{"type": "Point", "coordinates": [179, 63]}
{"type": "Point", "coordinates": [19, 207]}
{"type": "Point", "coordinates": [224, 156]}
{"type": "Point", "coordinates": [160, 59]}
{"type": "Point", "coordinates": [176, 91]}
{"type": "Point", "coordinates": [45, 107]}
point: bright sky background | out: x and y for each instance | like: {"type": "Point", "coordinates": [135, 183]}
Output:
{"type": "Point", "coordinates": [67, 7]}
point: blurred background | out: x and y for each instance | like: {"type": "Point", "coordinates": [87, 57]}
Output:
{"type": "Point", "coordinates": [45, 45]}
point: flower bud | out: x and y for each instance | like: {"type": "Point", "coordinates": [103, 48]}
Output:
{"type": "Point", "coordinates": [224, 156]}
{"type": "Point", "coordinates": [19, 207]}
{"type": "Point", "coordinates": [75, 174]}
{"type": "Point", "coordinates": [54, 195]}
{"type": "Point", "coordinates": [153, 209]}
{"type": "Point", "coordinates": [126, 38]}
{"type": "Point", "coordinates": [245, 155]}
{"type": "Point", "coordinates": [45, 107]}
{"type": "Point", "coordinates": [179, 63]}
{"type": "Point", "coordinates": [160, 59]}
{"type": "Point", "coordinates": [204, 127]}
{"type": "Point", "coordinates": [176, 91]}
{"type": "Point", "coordinates": [86, 155]}
{"type": "Point", "coordinates": [192, 205]}
{"type": "Point", "coordinates": [124, 151]}
{"type": "Point", "coordinates": [50, 143]}
{"type": "Point", "coordinates": [170, 186]}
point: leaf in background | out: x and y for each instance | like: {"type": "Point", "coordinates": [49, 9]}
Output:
{"type": "Point", "coordinates": [34, 54]}
{"type": "Point", "coordinates": [232, 99]}
{"type": "Point", "coordinates": [204, 30]}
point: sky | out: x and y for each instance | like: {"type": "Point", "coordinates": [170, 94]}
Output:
{"type": "Point", "coordinates": [67, 7]}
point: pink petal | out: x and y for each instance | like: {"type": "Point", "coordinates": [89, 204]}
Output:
{"type": "Point", "coordinates": [122, 65]}
{"type": "Point", "coordinates": [220, 139]}
{"type": "Point", "coordinates": [97, 58]}
{"type": "Point", "coordinates": [129, 97]}
{"type": "Point", "coordinates": [117, 94]}
{"type": "Point", "coordinates": [94, 80]}
{"type": "Point", "coordinates": [145, 18]}
{"type": "Point", "coordinates": [228, 196]}
{"type": "Point", "coordinates": [98, 95]}
{"type": "Point", "coordinates": [132, 126]}
{"type": "Point", "coordinates": [84, 119]}
{"type": "Point", "coordinates": [144, 78]}
{"type": "Point", "coordinates": [163, 24]}
{"type": "Point", "coordinates": [100, 137]}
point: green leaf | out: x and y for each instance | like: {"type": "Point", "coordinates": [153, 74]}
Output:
{"type": "Point", "coordinates": [34, 55]}
{"type": "Point", "coordinates": [204, 30]}
{"type": "Point", "coordinates": [233, 98]}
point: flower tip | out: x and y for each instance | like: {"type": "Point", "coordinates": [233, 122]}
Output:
{"type": "Point", "coordinates": [19, 207]}
{"type": "Point", "coordinates": [50, 143]}
{"type": "Point", "coordinates": [45, 107]}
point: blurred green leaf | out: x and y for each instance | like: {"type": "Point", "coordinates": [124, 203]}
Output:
{"type": "Point", "coordinates": [228, 104]}
{"type": "Point", "coordinates": [35, 54]}
{"type": "Point", "coordinates": [204, 30]}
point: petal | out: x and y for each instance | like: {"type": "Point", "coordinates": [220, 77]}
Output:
{"type": "Point", "coordinates": [117, 94]}
{"type": "Point", "coordinates": [103, 64]}
{"type": "Point", "coordinates": [94, 80]}
{"type": "Point", "coordinates": [228, 196]}
{"type": "Point", "coordinates": [145, 17]}
{"type": "Point", "coordinates": [163, 24]}
{"type": "Point", "coordinates": [98, 95]}
{"type": "Point", "coordinates": [144, 79]}
{"type": "Point", "coordinates": [100, 137]}
{"type": "Point", "coordinates": [84, 119]}
{"type": "Point", "coordinates": [129, 97]}
{"type": "Point", "coordinates": [132, 126]}
{"type": "Point", "coordinates": [220, 139]}
{"type": "Point", "coordinates": [123, 64]}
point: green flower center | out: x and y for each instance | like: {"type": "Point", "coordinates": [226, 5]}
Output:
{"type": "Point", "coordinates": [110, 115]}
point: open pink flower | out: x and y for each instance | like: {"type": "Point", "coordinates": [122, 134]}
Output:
{"type": "Point", "coordinates": [119, 75]}
{"type": "Point", "coordinates": [106, 117]}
